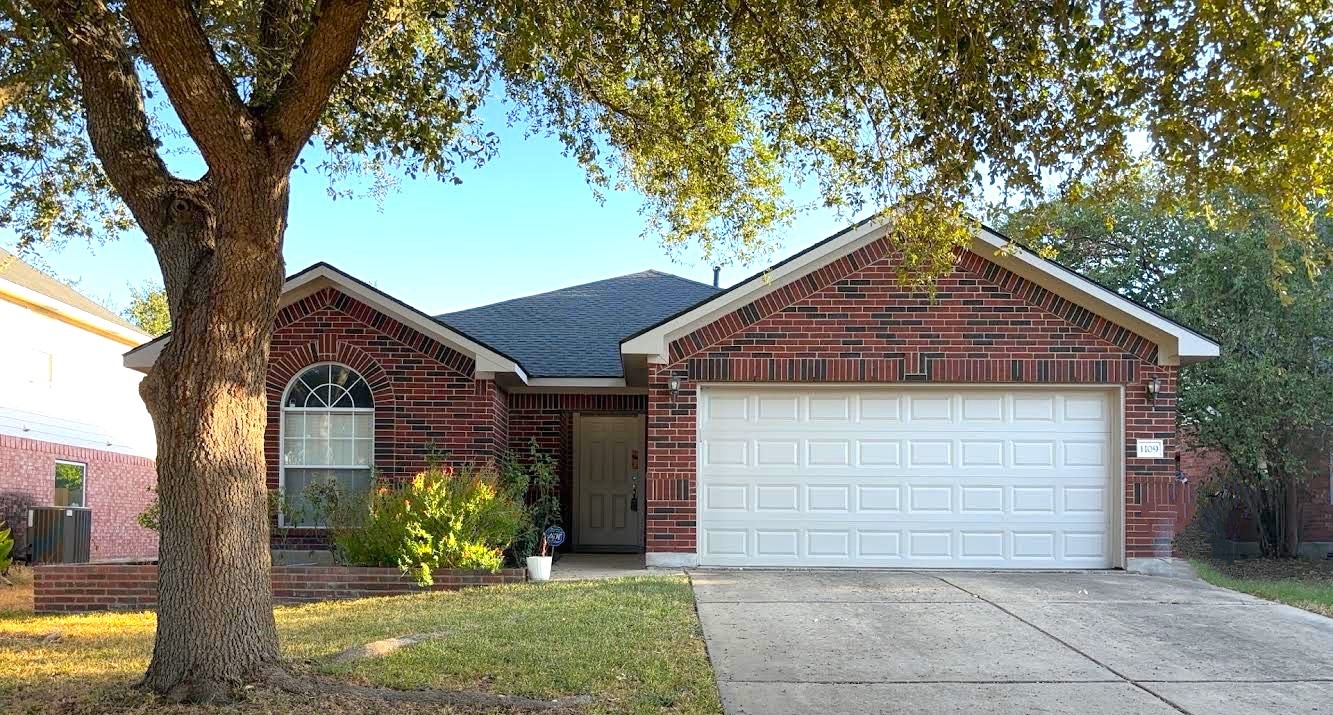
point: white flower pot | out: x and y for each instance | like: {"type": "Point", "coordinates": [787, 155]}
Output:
{"type": "Point", "coordinates": [539, 568]}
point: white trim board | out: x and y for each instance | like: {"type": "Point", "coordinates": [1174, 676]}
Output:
{"type": "Point", "coordinates": [95, 323]}
{"type": "Point", "coordinates": [1176, 343]}
{"type": "Point", "coordinates": [488, 362]}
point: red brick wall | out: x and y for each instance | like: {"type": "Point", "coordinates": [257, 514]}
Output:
{"type": "Point", "coordinates": [76, 588]}
{"type": "Point", "coordinates": [1317, 517]}
{"type": "Point", "coordinates": [851, 321]}
{"type": "Point", "coordinates": [1316, 512]}
{"type": "Point", "coordinates": [548, 420]}
{"type": "Point", "coordinates": [426, 399]}
{"type": "Point", "coordinates": [117, 490]}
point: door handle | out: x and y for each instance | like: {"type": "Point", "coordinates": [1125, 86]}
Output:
{"type": "Point", "coordinates": [634, 494]}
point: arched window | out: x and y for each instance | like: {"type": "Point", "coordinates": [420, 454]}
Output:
{"type": "Point", "coordinates": [328, 438]}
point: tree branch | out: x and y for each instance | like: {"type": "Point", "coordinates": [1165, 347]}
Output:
{"type": "Point", "coordinates": [112, 103]}
{"type": "Point", "coordinates": [326, 53]}
{"type": "Point", "coordinates": [200, 90]}
{"type": "Point", "coordinates": [279, 33]}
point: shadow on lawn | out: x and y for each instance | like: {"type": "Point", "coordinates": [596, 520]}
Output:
{"type": "Point", "coordinates": [633, 645]}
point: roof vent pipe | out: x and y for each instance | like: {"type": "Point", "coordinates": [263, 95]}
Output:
{"type": "Point", "coordinates": [717, 274]}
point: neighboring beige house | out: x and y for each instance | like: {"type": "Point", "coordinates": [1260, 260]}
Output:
{"type": "Point", "coordinates": [73, 429]}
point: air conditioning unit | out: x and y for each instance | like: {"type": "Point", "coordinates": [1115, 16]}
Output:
{"type": "Point", "coordinates": [60, 534]}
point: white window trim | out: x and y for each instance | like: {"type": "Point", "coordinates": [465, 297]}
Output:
{"type": "Point", "coordinates": [84, 467]}
{"type": "Point", "coordinates": [282, 436]}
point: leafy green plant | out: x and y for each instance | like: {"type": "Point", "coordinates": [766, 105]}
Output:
{"type": "Point", "coordinates": [535, 481]}
{"type": "Point", "coordinates": [6, 549]}
{"type": "Point", "coordinates": [442, 518]}
{"type": "Point", "coordinates": [151, 517]}
{"type": "Point", "coordinates": [1263, 404]}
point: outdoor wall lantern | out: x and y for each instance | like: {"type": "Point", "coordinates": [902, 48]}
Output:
{"type": "Point", "coordinates": [673, 384]}
{"type": "Point", "coordinates": [1154, 388]}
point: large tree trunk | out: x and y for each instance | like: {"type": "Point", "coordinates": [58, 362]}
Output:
{"type": "Point", "coordinates": [220, 252]}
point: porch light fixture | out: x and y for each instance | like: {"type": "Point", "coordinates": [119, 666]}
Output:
{"type": "Point", "coordinates": [1154, 388]}
{"type": "Point", "coordinates": [673, 384]}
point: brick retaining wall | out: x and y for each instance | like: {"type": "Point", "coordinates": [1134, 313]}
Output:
{"type": "Point", "coordinates": [78, 588]}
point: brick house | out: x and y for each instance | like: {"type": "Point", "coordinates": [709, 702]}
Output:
{"type": "Point", "coordinates": [816, 414]}
{"type": "Point", "coordinates": [73, 430]}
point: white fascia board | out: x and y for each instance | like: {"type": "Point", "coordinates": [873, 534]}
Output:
{"type": "Point", "coordinates": [598, 382]}
{"type": "Point", "coordinates": [487, 361]}
{"type": "Point", "coordinates": [1176, 344]}
{"type": "Point", "coordinates": [68, 313]}
{"type": "Point", "coordinates": [656, 343]}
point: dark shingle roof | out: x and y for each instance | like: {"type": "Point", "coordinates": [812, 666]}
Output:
{"type": "Point", "coordinates": [576, 331]}
{"type": "Point", "coordinates": [15, 270]}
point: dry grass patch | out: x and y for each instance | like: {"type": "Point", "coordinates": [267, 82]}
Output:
{"type": "Point", "coordinates": [16, 596]}
{"type": "Point", "coordinates": [634, 645]}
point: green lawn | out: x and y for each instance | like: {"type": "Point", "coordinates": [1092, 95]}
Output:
{"type": "Point", "coordinates": [1312, 595]}
{"type": "Point", "coordinates": [634, 645]}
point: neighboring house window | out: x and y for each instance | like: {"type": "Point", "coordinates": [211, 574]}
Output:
{"type": "Point", "coordinates": [71, 484]}
{"type": "Point", "coordinates": [328, 423]}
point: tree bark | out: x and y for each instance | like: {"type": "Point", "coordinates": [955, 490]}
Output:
{"type": "Point", "coordinates": [1291, 532]}
{"type": "Point", "coordinates": [219, 243]}
{"type": "Point", "coordinates": [220, 252]}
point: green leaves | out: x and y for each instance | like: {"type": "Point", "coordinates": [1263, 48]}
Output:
{"type": "Point", "coordinates": [6, 549]}
{"type": "Point", "coordinates": [442, 518]}
{"type": "Point", "coordinates": [715, 112]}
{"type": "Point", "coordinates": [1269, 398]}
{"type": "Point", "coordinates": [148, 309]}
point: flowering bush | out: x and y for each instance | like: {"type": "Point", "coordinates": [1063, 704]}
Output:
{"type": "Point", "coordinates": [443, 518]}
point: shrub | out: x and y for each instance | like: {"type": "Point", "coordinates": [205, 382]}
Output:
{"type": "Point", "coordinates": [14, 506]}
{"type": "Point", "coordinates": [151, 517]}
{"type": "Point", "coordinates": [6, 549]}
{"type": "Point", "coordinates": [442, 518]}
{"type": "Point", "coordinates": [534, 481]}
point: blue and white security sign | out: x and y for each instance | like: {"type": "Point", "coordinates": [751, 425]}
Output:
{"type": "Point", "coordinates": [555, 536]}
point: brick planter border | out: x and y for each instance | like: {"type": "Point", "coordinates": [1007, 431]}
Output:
{"type": "Point", "coordinates": [82, 588]}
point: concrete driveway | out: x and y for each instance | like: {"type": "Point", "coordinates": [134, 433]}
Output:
{"type": "Point", "coordinates": [1091, 643]}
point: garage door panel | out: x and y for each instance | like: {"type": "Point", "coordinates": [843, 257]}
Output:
{"type": "Point", "coordinates": [1017, 499]}
{"type": "Point", "coordinates": [917, 545]}
{"type": "Point", "coordinates": [1027, 410]}
{"type": "Point", "coordinates": [911, 477]}
{"type": "Point", "coordinates": [722, 454]}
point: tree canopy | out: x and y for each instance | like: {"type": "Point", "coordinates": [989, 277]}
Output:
{"type": "Point", "coordinates": [148, 309]}
{"type": "Point", "coordinates": [713, 110]}
{"type": "Point", "coordinates": [1265, 405]}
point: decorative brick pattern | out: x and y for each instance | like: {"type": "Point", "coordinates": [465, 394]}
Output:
{"type": "Point", "coordinates": [426, 399]}
{"type": "Point", "coordinates": [80, 588]}
{"type": "Point", "coordinates": [852, 321]}
{"type": "Point", "coordinates": [117, 490]}
{"type": "Point", "coordinates": [548, 421]}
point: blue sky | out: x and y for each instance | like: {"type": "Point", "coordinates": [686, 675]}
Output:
{"type": "Point", "coordinates": [524, 223]}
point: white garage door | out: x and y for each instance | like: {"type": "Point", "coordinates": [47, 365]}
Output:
{"type": "Point", "coordinates": [904, 477]}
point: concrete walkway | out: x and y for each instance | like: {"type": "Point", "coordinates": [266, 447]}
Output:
{"type": "Point", "coordinates": [596, 567]}
{"type": "Point", "coordinates": [1087, 643]}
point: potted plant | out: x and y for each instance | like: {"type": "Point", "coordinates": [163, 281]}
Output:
{"type": "Point", "coordinates": [539, 565]}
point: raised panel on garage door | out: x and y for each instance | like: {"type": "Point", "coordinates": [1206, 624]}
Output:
{"type": "Point", "coordinates": [912, 477]}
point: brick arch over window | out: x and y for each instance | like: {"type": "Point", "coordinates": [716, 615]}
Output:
{"type": "Point", "coordinates": [283, 368]}
{"type": "Point", "coordinates": [427, 397]}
